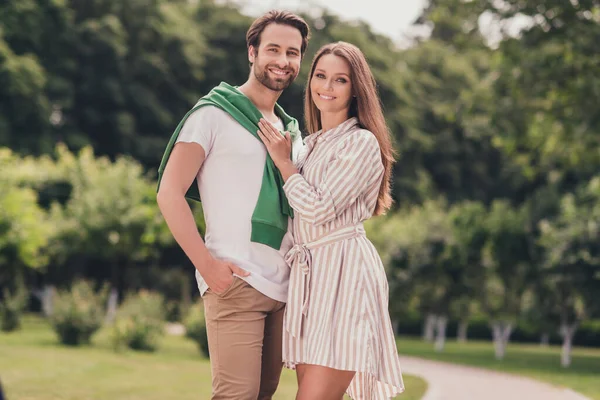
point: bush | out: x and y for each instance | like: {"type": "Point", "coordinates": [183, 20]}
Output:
{"type": "Point", "coordinates": [140, 322]}
{"type": "Point", "coordinates": [78, 313]}
{"type": "Point", "coordinates": [11, 308]}
{"type": "Point", "coordinates": [195, 328]}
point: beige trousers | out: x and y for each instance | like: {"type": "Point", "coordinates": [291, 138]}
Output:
{"type": "Point", "coordinates": [244, 330]}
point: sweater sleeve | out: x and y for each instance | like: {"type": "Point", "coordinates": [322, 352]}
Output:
{"type": "Point", "coordinates": [353, 170]}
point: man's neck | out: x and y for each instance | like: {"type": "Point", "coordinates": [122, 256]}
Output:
{"type": "Point", "coordinates": [262, 97]}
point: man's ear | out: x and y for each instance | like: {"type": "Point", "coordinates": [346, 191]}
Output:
{"type": "Point", "coordinates": [251, 54]}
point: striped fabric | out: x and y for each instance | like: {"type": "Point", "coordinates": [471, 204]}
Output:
{"type": "Point", "coordinates": [337, 313]}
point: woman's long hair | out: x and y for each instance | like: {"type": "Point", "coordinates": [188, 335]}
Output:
{"type": "Point", "coordinates": [366, 106]}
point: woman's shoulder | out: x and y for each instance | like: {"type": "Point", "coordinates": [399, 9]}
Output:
{"type": "Point", "coordinates": [360, 136]}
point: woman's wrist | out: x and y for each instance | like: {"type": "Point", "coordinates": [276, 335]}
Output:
{"type": "Point", "coordinates": [287, 169]}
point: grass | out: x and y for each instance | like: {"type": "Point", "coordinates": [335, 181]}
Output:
{"type": "Point", "coordinates": [33, 366]}
{"type": "Point", "coordinates": [528, 360]}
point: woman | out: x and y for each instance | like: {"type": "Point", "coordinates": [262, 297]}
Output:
{"type": "Point", "coordinates": [337, 333]}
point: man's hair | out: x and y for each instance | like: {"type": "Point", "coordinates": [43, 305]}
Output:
{"type": "Point", "coordinates": [277, 17]}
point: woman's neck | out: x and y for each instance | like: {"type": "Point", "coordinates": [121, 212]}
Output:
{"type": "Point", "coordinates": [331, 120]}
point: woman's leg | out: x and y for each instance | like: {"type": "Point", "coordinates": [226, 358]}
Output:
{"type": "Point", "coordinates": [300, 373]}
{"type": "Point", "coordinates": [316, 382]}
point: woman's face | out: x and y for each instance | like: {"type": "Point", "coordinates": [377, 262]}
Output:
{"type": "Point", "coordinates": [330, 84]}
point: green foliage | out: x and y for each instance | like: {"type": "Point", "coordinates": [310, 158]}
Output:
{"type": "Point", "coordinates": [111, 203]}
{"type": "Point", "coordinates": [110, 213]}
{"type": "Point", "coordinates": [505, 257]}
{"type": "Point", "coordinates": [59, 214]}
{"type": "Point", "coordinates": [572, 252]}
{"type": "Point", "coordinates": [116, 75]}
{"type": "Point", "coordinates": [546, 90]}
{"type": "Point", "coordinates": [25, 229]}
{"type": "Point", "coordinates": [443, 126]}
{"type": "Point", "coordinates": [140, 322]}
{"type": "Point", "coordinates": [420, 259]}
{"type": "Point", "coordinates": [195, 328]}
{"type": "Point", "coordinates": [12, 305]}
{"type": "Point", "coordinates": [78, 313]}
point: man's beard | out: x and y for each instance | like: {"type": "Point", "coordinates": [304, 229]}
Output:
{"type": "Point", "coordinates": [275, 84]}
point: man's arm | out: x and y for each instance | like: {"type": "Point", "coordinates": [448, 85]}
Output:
{"type": "Point", "coordinates": [181, 169]}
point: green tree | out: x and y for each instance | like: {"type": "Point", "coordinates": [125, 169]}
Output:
{"type": "Point", "coordinates": [36, 59]}
{"type": "Point", "coordinates": [573, 261]}
{"type": "Point", "coordinates": [23, 106]}
{"type": "Point", "coordinates": [508, 271]}
{"type": "Point", "coordinates": [468, 224]}
{"type": "Point", "coordinates": [25, 229]}
{"type": "Point", "coordinates": [423, 266]}
{"type": "Point", "coordinates": [111, 213]}
{"type": "Point", "coordinates": [112, 74]}
{"type": "Point", "coordinates": [547, 90]}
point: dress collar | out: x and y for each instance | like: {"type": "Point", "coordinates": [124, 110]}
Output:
{"type": "Point", "coordinates": [332, 133]}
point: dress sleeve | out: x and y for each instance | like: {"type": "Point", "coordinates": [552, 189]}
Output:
{"type": "Point", "coordinates": [354, 169]}
{"type": "Point", "coordinates": [298, 150]}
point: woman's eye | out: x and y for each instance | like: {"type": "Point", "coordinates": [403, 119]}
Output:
{"type": "Point", "coordinates": [320, 76]}
{"type": "Point", "coordinates": [342, 80]}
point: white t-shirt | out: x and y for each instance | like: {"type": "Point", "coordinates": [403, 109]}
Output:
{"type": "Point", "coordinates": [229, 182]}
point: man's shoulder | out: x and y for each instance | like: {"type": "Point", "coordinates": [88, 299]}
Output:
{"type": "Point", "coordinates": [207, 110]}
{"type": "Point", "coordinates": [210, 115]}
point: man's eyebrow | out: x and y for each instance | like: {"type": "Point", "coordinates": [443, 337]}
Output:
{"type": "Point", "coordinates": [278, 46]}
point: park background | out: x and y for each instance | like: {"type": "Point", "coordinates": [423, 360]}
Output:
{"type": "Point", "coordinates": [492, 248]}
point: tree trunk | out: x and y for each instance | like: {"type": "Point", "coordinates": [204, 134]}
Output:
{"type": "Point", "coordinates": [186, 295]}
{"type": "Point", "coordinates": [111, 307]}
{"type": "Point", "coordinates": [47, 299]}
{"type": "Point", "coordinates": [440, 338]}
{"type": "Point", "coordinates": [395, 325]}
{"type": "Point", "coordinates": [461, 335]}
{"type": "Point", "coordinates": [545, 339]}
{"type": "Point", "coordinates": [501, 333]}
{"type": "Point", "coordinates": [429, 327]}
{"type": "Point", "coordinates": [567, 332]}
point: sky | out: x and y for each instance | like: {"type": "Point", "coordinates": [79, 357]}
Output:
{"type": "Point", "coordinates": [388, 17]}
{"type": "Point", "coordinates": [391, 18]}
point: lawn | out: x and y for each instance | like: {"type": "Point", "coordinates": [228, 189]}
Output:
{"type": "Point", "coordinates": [527, 360]}
{"type": "Point", "coordinates": [34, 367]}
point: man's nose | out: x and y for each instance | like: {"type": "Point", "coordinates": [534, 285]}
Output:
{"type": "Point", "coordinates": [282, 61]}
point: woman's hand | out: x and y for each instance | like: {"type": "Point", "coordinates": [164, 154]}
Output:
{"type": "Point", "coordinates": [278, 146]}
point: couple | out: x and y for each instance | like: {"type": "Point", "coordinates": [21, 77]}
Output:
{"type": "Point", "coordinates": [244, 156]}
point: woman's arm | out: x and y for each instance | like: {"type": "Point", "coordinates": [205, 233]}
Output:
{"type": "Point", "coordinates": [354, 169]}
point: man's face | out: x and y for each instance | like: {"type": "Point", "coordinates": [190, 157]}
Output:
{"type": "Point", "coordinates": [276, 62]}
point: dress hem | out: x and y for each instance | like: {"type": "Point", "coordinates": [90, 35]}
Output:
{"type": "Point", "coordinates": [396, 390]}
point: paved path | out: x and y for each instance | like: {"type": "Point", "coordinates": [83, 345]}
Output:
{"type": "Point", "coordinates": [456, 382]}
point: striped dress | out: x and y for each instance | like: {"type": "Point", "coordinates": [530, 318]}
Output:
{"type": "Point", "coordinates": [337, 311]}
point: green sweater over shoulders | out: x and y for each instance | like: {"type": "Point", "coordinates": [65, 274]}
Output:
{"type": "Point", "coordinates": [270, 216]}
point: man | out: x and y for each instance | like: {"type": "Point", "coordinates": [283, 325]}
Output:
{"type": "Point", "coordinates": [216, 154]}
